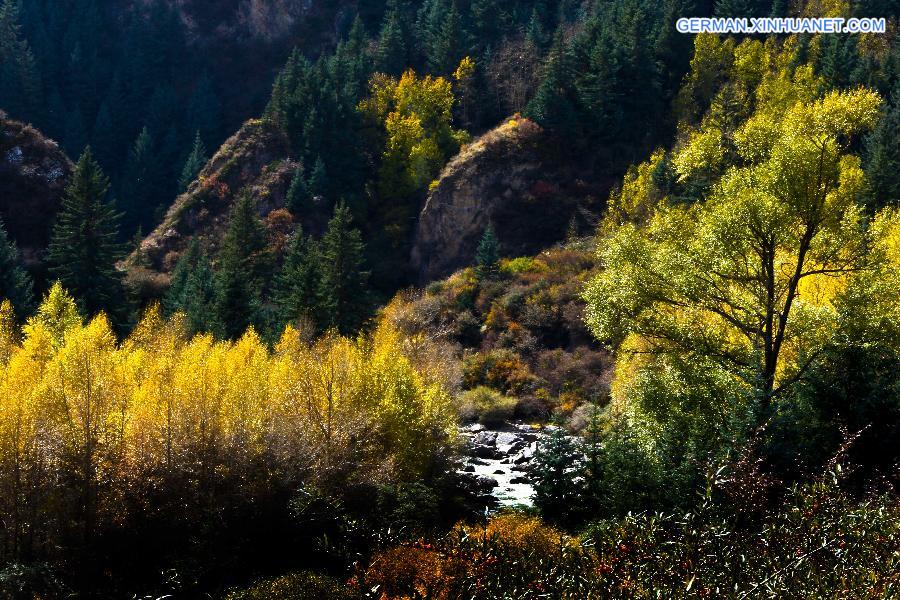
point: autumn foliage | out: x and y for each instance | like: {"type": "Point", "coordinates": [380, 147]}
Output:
{"type": "Point", "coordinates": [92, 429]}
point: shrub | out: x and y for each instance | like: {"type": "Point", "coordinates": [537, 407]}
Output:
{"type": "Point", "coordinates": [523, 264]}
{"type": "Point", "coordinates": [296, 586]}
{"type": "Point", "coordinates": [487, 406]}
{"type": "Point", "coordinates": [819, 543]}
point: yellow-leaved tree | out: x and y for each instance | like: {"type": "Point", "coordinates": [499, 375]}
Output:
{"type": "Point", "coordinates": [718, 306]}
{"type": "Point", "coordinates": [91, 427]}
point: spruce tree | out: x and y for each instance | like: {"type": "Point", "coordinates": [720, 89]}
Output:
{"type": "Point", "coordinates": [173, 301]}
{"type": "Point", "coordinates": [205, 110]}
{"type": "Point", "coordinates": [554, 104]}
{"type": "Point", "coordinates": [200, 297]}
{"type": "Point", "coordinates": [487, 256]}
{"type": "Point", "coordinates": [138, 190]}
{"type": "Point", "coordinates": [556, 472]}
{"type": "Point", "coordinates": [318, 179]}
{"type": "Point", "coordinates": [391, 56]}
{"type": "Point", "coordinates": [882, 158]}
{"type": "Point", "coordinates": [298, 286]}
{"type": "Point", "coordinates": [195, 162]}
{"type": "Point", "coordinates": [243, 261]}
{"type": "Point", "coordinates": [449, 46]}
{"type": "Point", "coordinates": [343, 292]}
{"type": "Point", "coordinates": [19, 78]}
{"type": "Point", "coordinates": [192, 290]}
{"type": "Point", "coordinates": [84, 247]}
{"type": "Point", "coordinates": [15, 283]}
{"type": "Point", "coordinates": [298, 196]}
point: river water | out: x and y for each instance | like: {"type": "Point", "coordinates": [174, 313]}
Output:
{"type": "Point", "coordinates": [500, 461]}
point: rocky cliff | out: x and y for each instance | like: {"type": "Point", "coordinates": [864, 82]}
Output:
{"type": "Point", "coordinates": [251, 161]}
{"type": "Point", "coordinates": [517, 178]}
{"type": "Point", "coordinates": [33, 176]}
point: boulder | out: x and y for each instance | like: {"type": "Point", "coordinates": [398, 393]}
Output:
{"type": "Point", "coordinates": [485, 438]}
{"type": "Point", "coordinates": [484, 452]}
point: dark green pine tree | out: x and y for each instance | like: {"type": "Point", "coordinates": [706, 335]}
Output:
{"type": "Point", "coordinates": [193, 291]}
{"type": "Point", "coordinates": [536, 33]}
{"type": "Point", "coordinates": [487, 256]}
{"type": "Point", "coordinates": [449, 46]}
{"type": "Point", "coordinates": [298, 196]}
{"type": "Point", "coordinates": [20, 83]}
{"type": "Point", "coordinates": [391, 56]}
{"type": "Point", "coordinates": [489, 20]}
{"type": "Point", "coordinates": [15, 283]}
{"type": "Point", "coordinates": [138, 190]}
{"type": "Point", "coordinates": [318, 179]}
{"type": "Point", "coordinates": [299, 284]}
{"type": "Point", "coordinates": [554, 105]}
{"type": "Point", "coordinates": [243, 262]}
{"type": "Point", "coordinates": [883, 158]}
{"type": "Point", "coordinates": [779, 9]}
{"type": "Point", "coordinates": [838, 59]}
{"type": "Point", "coordinates": [343, 288]}
{"type": "Point", "coordinates": [557, 475]}
{"type": "Point", "coordinates": [200, 297]}
{"type": "Point", "coordinates": [84, 247]}
{"type": "Point", "coordinates": [195, 162]}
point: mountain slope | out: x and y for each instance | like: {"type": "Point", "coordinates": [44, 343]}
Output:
{"type": "Point", "coordinates": [33, 176]}
{"type": "Point", "coordinates": [516, 177]}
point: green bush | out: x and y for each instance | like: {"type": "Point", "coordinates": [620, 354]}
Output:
{"type": "Point", "coordinates": [488, 407]}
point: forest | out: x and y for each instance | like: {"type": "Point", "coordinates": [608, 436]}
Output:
{"type": "Point", "coordinates": [447, 299]}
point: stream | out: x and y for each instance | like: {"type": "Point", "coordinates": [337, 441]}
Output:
{"type": "Point", "coordinates": [499, 461]}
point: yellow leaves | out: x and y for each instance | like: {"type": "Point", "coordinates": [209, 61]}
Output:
{"type": "Point", "coordinates": [751, 61]}
{"type": "Point", "coordinates": [465, 70]}
{"type": "Point", "coordinates": [160, 400]}
{"type": "Point", "coordinates": [416, 114]}
{"type": "Point", "coordinates": [637, 198]}
{"type": "Point", "coordinates": [8, 330]}
{"type": "Point", "coordinates": [58, 313]}
{"type": "Point", "coordinates": [703, 151]}
{"type": "Point", "coordinates": [839, 114]}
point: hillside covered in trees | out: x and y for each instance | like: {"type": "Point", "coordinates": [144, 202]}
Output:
{"type": "Point", "coordinates": [282, 283]}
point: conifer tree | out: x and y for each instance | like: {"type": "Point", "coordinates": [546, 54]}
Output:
{"type": "Point", "coordinates": [298, 195]}
{"type": "Point", "coordinates": [553, 104]}
{"type": "Point", "coordinates": [343, 292]}
{"type": "Point", "coordinates": [19, 78]}
{"type": "Point", "coordinates": [449, 46]}
{"type": "Point", "coordinates": [195, 162]}
{"type": "Point", "coordinates": [535, 33]}
{"type": "Point", "coordinates": [199, 301]}
{"type": "Point", "coordinates": [192, 291]}
{"type": "Point", "coordinates": [487, 256]}
{"type": "Point", "coordinates": [173, 301]}
{"type": "Point", "coordinates": [205, 110]}
{"type": "Point", "coordinates": [882, 158]}
{"type": "Point", "coordinates": [15, 283]}
{"type": "Point", "coordinates": [138, 190]}
{"type": "Point", "coordinates": [84, 247]}
{"type": "Point", "coordinates": [243, 261]}
{"type": "Point", "coordinates": [391, 56]}
{"type": "Point", "coordinates": [298, 286]}
{"type": "Point", "coordinates": [318, 179]}
{"type": "Point", "coordinates": [557, 485]}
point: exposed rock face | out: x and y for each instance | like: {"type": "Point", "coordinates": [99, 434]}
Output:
{"type": "Point", "coordinates": [515, 177]}
{"type": "Point", "coordinates": [252, 160]}
{"type": "Point", "coordinates": [34, 173]}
